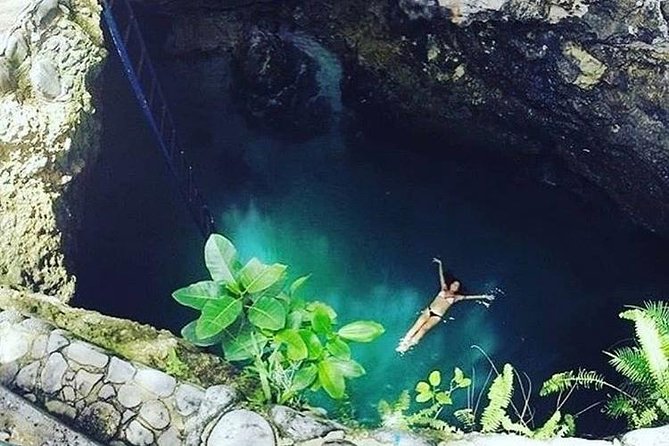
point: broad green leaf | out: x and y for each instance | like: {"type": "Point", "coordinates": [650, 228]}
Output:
{"type": "Point", "coordinates": [314, 305]}
{"type": "Point", "coordinates": [321, 322]}
{"type": "Point", "coordinates": [361, 331]}
{"type": "Point", "coordinates": [434, 378]}
{"type": "Point", "coordinates": [188, 333]}
{"type": "Point", "coordinates": [348, 368]}
{"type": "Point", "coordinates": [198, 294]}
{"type": "Point", "coordinates": [285, 298]}
{"type": "Point", "coordinates": [422, 387]}
{"type": "Point", "coordinates": [331, 378]}
{"type": "Point", "coordinates": [297, 284]}
{"type": "Point", "coordinates": [314, 346]}
{"type": "Point", "coordinates": [233, 287]}
{"type": "Point", "coordinates": [267, 313]}
{"type": "Point", "coordinates": [338, 348]}
{"type": "Point", "coordinates": [444, 398]}
{"type": "Point", "coordinates": [297, 304]}
{"type": "Point", "coordinates": [217, 315]}
{"type": "Point", "coordinates": [219, 256]}
{"type": "Point", "coordinates": [295, 318]}
{"type": "Point", "coordinates": [423, 397]}
{"type": "Point", "coordinates": [296, 348]}
{"type": "Point", "coordinates": [459, 378]}
{"type": "Point", "coordinates": [256, 277]}
{"type": "Point", "coordinates": [244, 345]}
{"type": "Point", "coordinates": [304, 377]}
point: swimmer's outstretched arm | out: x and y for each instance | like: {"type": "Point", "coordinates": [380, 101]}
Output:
{"type": "Point", "coordinates": [460, 297]}
{"type": "Point", "coordinates": [442, 281]}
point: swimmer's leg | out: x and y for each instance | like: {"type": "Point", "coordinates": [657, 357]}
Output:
{"type": "Point", "coordinates": [406, 341]}
{"type": "Point", "coordinates": [434, 320]}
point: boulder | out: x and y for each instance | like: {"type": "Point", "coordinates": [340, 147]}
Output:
{"type": "Point", "coordinates": [276, 85]}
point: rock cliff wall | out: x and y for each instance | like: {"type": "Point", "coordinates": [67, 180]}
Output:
{"type": "Point", "coordinates": [584, 82]}
{"type": "Point", "coordinates": [50, 55]}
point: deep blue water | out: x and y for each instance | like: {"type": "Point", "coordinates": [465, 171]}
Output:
{"type": "Point", "coordinates": [366, 216]}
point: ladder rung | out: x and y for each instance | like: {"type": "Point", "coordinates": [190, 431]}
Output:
{"type": "Point", "coordinates": [126, 34]}
{"type": "Point", "coordinates": [143, 77]}
{"type": "Point", "coordinates": [152, 91]}
{"type": "Point", "coordinates": [140, 64]}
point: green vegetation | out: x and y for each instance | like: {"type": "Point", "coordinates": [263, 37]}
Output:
{"type": "Point", "coordinates": [643, 397]}
{"type": "Point", "coordinates": [497, 415]}
{"type": "Point", "coordinates": [289, 344]}
{"type": "Point", "coordinates": [500, 414]}
{"type": "Point", "coordinates": [433, 400]}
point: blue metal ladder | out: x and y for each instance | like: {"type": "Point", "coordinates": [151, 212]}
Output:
{"type": "Point", "coordinates": [124, 30]}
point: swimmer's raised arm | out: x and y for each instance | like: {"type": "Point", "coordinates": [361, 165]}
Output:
{"type": "Point", "coordinates": [442, 281]}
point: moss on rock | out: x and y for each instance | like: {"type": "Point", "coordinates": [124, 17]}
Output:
{"type": "Point", "coordinates": [131, 340]}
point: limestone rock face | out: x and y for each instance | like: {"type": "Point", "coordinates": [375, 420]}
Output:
{"type": "Point", "coordinates": [582, 81]}
{"type": "Point", "coordinates": [276, 84]}
{"type": "Point", "coordinates": [50, 54]}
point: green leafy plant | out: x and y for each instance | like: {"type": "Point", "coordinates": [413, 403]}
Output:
{"type": "Point", "coordinates": [502, 414]}
{"type": "Point", "coordinates": [509, 408]}
{"type": "Point", "coordinates": [643, 398]}
{"type": "Point", "coordinates": [289, 344]}
{"type": "Point", "coordinates": [433, 399]}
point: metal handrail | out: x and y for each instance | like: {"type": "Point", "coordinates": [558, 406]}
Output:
{"type": "Point", "coordinates": [142, 77]}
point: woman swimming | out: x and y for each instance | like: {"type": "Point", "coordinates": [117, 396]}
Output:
{"type": "Point", "coordinates": [434, 313]}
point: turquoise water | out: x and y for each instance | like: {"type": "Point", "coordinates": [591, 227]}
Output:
{"type": "Point", "coordinates": [366, 216]}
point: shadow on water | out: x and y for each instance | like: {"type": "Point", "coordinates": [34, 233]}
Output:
{"type": "Point", "coordinates": [366, 223]}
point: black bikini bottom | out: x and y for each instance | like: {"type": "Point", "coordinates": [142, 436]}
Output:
{"type": "Point", "coordinates": [433, 313]}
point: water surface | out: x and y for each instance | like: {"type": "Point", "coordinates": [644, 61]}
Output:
{"type": "Point", "coordinates": [366, 217]}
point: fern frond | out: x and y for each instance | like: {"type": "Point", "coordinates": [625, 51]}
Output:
{"type": "Point", "coordinates": [658, 311]}
{"type": "Point", "coordinates": [564, 381]}
{"type": "Point", "coordinates": [663, 405]}
{"type": "Point", "coordinates": [515, 428]}
{"type": "Point", "coordinates": [649, 337]}
{"type": "Point", "coordinates": [550, 428]}
{"type": "Point", "coordinates": [436, 424]}
{"type": "Point", "coordinates": [499, 395]}
{"type": "Point", "coordinates": [384, 409]}
{"type": "Point", "coordinates": [427, 413]}
{"type": "Point", "coordinates": [393, 415]}
{"type": "Point", "coordinates": [466, 417]}
{"type": "Point", "coordinates": [403, 402]}
{"type": "Point", "coordinates": [568, 426]}
{"type": "Point", "coordinates": [631, 363]}
{"type": "Point", "coordinates": [619, 406]}
{"type": "Point", "coordinates": [645, 418]}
